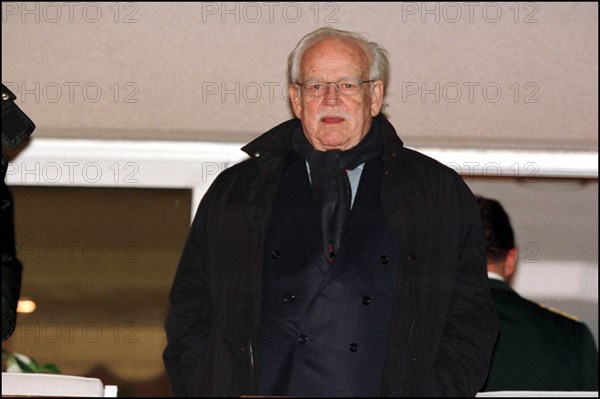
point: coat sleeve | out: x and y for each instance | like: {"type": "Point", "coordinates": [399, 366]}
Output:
{"type": "Point", "coordinates": [589, 360]}
{"type": "Point", "coordinates": [188, 322]}
{"type": "Point", "coordinates": [471, 325]}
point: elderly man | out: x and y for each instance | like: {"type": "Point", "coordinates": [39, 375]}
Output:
{"type": "Point", "coordinates": [335, 261]}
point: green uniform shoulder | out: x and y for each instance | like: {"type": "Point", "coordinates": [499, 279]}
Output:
{"type": "Point", "coordinates": [559, 312]}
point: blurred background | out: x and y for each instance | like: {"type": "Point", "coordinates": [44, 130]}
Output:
{"type": "Point", "coordinates": [139, 106]}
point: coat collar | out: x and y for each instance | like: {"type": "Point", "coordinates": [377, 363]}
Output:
{"type": "Point", "coordinates": [500, 285]}
{"type": "Point", "coordinates": [277, 141]}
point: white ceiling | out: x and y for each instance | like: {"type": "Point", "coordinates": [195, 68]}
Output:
{"type": "Point", "coordinates": [517, 75]}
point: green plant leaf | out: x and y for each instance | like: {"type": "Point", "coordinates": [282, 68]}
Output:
{"type": "Point", "coordinates": [50, 368]}
{"type": "Point", "coordinates": [27, 364]}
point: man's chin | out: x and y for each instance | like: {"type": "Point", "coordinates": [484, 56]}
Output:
{"type": "Point", "coordinates": [334, 142]}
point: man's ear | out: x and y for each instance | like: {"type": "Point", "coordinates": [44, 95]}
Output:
{"type": "Point", "coordinates": [294, 95]}
{"type": "Point", "coordinates": [510, 262]}
{"type": "Point", "coordinates": [376, 97]}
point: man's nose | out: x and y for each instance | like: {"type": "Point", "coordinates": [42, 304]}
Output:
{"type": "Point", "coordinates": [332, 96]}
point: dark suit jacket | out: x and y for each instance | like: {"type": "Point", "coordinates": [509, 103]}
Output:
{"type": "Point", "coordinates": [443, 324]}
{"type": "Point", "coordinates": [539, 349]}
{"type": "Point", "coordinates": [342, 311]}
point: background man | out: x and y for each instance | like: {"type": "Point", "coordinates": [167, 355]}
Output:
{"type": "Point", "coordinates": [538, 349]}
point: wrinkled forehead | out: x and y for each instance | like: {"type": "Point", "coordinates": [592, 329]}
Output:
{"type": "Point", "coordinates": [329, 54]}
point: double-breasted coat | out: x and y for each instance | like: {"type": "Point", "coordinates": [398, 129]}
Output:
{"type": "Point", "coordinates": [443, 324]}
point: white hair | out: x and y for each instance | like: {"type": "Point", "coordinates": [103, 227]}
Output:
{"type": "Point", "coordinates": [379, 64]}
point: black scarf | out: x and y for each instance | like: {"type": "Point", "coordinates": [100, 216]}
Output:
{"type": "Point", "coordinates": [330, 185]}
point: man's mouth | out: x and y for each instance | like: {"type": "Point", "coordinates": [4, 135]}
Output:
{"type": "Point", "coordinates": [332, 119]}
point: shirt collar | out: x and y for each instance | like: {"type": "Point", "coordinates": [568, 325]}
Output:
{"type": "Point", "coordinates": [495, 276]}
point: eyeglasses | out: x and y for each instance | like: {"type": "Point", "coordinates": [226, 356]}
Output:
{"type": "Point", "coordinates": [345, 86]}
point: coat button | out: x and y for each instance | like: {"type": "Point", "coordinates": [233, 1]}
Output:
{"type": "Point", "coordinates": [412, 257]}
{"type": "Point", "coordinates": [366, 300]}
{"type": "Point", "coordinates": [275, 254]}
{"type": "Point", "coordinates": [289, 298]}
{"type": "Point", "coordinates": [384, 260]}
{"type": "Point", "coordinates": [302, 338]}
{"type": "Point", "coordinates": [353, 347]}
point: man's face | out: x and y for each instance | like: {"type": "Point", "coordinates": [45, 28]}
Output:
{"type": "Point", "coordinates": [333, 120]}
